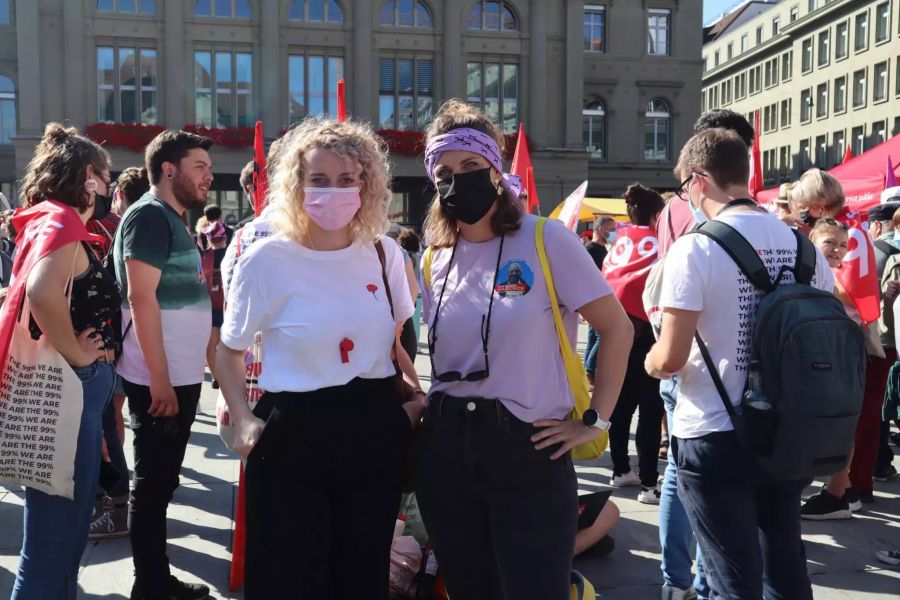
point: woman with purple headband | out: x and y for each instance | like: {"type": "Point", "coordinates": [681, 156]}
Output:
{"type": "Point", "coordinates": [495, 481]}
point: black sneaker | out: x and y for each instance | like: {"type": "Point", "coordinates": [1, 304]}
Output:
{"type": "Point", "coordinates": [895, 439]}
{"type": "Point", "coordinates": [604, 546]}
{"type": "Point", "coordinates": [851, 497]}
{"type": "Point", "coordinates": [825, 506]}
{"type": "Point", "coordinates": [885, 474]}
{"type": "Point", "coordinates": [867, 498]}
{"type": "Point", "coordinates": [179, 590]}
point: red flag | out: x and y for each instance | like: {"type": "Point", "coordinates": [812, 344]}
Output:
{"type": "Point", "coordinates": [43, 229]}
{"type": "Point", "coordinates": [521, 166]}
{"type": "Point", "coordinates": [260, 173]}
{"type": "Point", "coordinates": [756, 175]}
{"type": "Point", "coordinates": [341, 101]}
{"type": "Point", "coordinates": [848, 154]}
{"type": "Point", "coordinates": [858, 275]}
{"type": "Point", "coordinates": [239, 540]}
{"type": "Point", "coordinates": [628, 264]}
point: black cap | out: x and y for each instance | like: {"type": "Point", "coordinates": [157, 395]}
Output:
{"type": "Point", "coordinates": [883, 212]}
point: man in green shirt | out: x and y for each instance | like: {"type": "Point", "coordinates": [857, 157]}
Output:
{"type": "Point", "coordinates": [167, 316]}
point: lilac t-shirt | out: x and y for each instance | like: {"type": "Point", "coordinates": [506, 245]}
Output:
{"type": "Point", "coordinates": [527, 372]}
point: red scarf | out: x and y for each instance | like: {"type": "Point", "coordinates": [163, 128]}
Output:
{"type": "Point", "coordinates": [43, 229]}
{"type": "Point", "coordinates": [628, 264]}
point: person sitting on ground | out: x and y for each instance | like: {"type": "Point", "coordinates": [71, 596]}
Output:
{"type": "Point", "coordinates": [597, 515]}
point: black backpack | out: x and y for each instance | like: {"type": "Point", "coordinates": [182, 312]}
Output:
{"type": "Point", "coordinates": [811, 362]}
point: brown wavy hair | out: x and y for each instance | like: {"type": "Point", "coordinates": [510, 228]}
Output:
{"type": "Point", "coordinates": [642, 204]}
{"type": "Point", "coordinates": [58, 169]}
{"type": "Point", "coordinates": [442, 230]}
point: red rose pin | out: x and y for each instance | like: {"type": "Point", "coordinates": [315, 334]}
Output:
{"type": "Point", "coordinates": [372, 289]}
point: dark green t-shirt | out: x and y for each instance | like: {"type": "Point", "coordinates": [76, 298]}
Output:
{"type": "Point", "coordinates": [152, 232]}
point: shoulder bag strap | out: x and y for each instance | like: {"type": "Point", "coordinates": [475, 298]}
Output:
{"type": "Point", "coordinates": [714, 373]}
{"type": "Point", "coordinates": [574, 371]}
{"type": "Point", "coordinates": [427, 257]}
{"type": "Point", "coordinates": [379, 248]}
{"type": "Point", "coordinates": [740, 251]}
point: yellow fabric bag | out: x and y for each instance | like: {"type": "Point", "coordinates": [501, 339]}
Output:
{"type": "Point", "coordinates": [574, 370]}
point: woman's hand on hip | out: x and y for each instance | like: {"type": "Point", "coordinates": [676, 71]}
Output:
{"type": "Point", "coordinates": [92, 347]}
{"type": "Point", "coordinates": [246, 434]}
{"type": "Point", "coordinates": [568, 433]}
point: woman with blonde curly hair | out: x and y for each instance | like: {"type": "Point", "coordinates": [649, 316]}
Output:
{"type": "Point", "coordinates": [325, 447]}
{"type": "Point", "coordinates": [495, 481]}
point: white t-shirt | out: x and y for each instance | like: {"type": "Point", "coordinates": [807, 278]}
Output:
{"type": "Point", "coordinates": [259, 228]}
{"type": "Point", "coordinates": [700, 276]}
{"type": "Point", "coordinates": [306, 303]}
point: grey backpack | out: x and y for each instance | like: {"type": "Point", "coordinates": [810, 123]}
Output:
{"type": "Point", "coordinates": [798, 413]}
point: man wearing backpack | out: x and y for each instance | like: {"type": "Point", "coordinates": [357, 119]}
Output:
{"type": "Point", "coordinates": [729, 497]}
{"type": "Point", "coordinates": [881, 229]}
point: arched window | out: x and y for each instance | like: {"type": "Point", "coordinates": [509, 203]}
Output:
{"type": "Point", "coordinates": [321, 11]}
{"type": "Point", "coordinates": [656, 130]}
{"type": "Point", "coordinates": [7, 109]}
{"type": "Point", "coordinates": [405, 13]}
{"type": "Point", "coordinates": [492, 15]}
{"type": "Point", "coordinates": [594, 119]}
{"type": "Point", "coordinates": [233, 9]}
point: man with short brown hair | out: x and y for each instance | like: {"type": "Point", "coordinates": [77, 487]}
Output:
{"type": "Point", "coordinates": [729, 500]}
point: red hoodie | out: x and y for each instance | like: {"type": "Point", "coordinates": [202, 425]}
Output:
{"type": "Point", "coordinates": [42, 229]}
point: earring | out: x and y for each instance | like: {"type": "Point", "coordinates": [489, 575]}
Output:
{"type": "Point", "coordinates": [169, 174]}
{"type": "Point", "coordinates": [90, 185]}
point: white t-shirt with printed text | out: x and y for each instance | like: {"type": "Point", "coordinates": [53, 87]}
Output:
{"type": "Point", "coordinates": [700, 276]}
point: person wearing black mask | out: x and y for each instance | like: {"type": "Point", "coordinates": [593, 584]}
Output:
{"type": "Point", "coordinates": [495, 481]}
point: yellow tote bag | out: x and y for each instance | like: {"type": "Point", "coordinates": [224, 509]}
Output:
{"type": "Point", "coordinates": [574, 368]}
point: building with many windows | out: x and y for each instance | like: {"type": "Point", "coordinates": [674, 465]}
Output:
{"type": "Point", "coordinates": [824, 74]}
{"type": "Point", "coordinates": [608, 89]}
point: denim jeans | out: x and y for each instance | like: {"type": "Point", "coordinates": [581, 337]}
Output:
{"type": "Point", "coordinates": [675, 534]}
{"type": "Point", "coordinates": [116, 453]}
{"type": "Point", "coordinates": [746, 522]}
{"type": "Point", "coordinates": [501, 515]}
{"type": "Point", "coordinates": [56, 528]}
{"type": "Point", "coordinates": [590, 353]}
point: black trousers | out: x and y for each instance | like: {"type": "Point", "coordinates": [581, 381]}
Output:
{"type": "Point", "coordinates": [501, 515]}
{"type": "Point", "coordinates": [159, 446]}
{"type": "Point", "coordinates": [323, 492]}
{"type": "Point", "coordinates": [639, 392]}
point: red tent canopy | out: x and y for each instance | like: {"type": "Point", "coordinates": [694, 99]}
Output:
{"type": "Point", "coordinates": [862, 177]}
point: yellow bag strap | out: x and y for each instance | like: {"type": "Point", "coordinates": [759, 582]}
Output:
{"type": "Point", "coordinates": [574, 370]}
{"type": "Point", "coordinates": [426, 267]}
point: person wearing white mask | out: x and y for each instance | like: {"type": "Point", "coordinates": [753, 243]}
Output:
{"type": "Point", "coordinates": [325, 448]}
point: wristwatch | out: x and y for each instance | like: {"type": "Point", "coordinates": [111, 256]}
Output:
{"type": "Point", "coordinates": [591, 418]}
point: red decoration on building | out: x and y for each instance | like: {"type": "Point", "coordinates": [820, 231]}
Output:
{"type": "Point", "coordinates": [230, 137]}
{"type": "Point", "coordinates": [133, 136]}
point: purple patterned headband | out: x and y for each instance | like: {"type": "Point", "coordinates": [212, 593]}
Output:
{"type": "Point", "coordinates": [470, 140]}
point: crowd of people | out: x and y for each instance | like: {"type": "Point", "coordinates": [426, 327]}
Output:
{"type": "Point", "coordinates": [329, 299]}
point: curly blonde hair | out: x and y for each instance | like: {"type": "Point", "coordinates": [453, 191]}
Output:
{"type": "Point", "coordinates": [441, 230]}
{"type": "Point", "coordinates": [350, 140]}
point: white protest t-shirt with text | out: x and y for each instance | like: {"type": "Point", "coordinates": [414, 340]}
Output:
{"type": "Point", "coordinates": [700, 276]}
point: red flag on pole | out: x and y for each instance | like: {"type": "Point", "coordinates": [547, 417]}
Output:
{"type": "Point", "coordinates": [890, 180]}
{"type": "Point", "coordinates": [341, 101]}
{"type": "Point", "coordinates": [858, 275]}
{"type": "Point", "coordinates": [756, 175]}
{"type": "Point", "coordinates": [260, 173]}
{"type": "Point", "coordinates": [521, 167]}
{"type": "Point", "coordinates": [239, 541]}
{"type": "Point", "coordinates": [848, 154]}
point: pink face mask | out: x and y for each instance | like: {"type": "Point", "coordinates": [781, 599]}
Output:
{"type": "Point", "coordinates": [332, 208]}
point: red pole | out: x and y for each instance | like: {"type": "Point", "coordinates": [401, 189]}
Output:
{"type": "Point", "coordinates": [341, 101]}
{"type": "Point", "coordinates": [239, 542]}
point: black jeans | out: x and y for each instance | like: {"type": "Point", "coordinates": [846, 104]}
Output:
{"type": "Point", "coordinates": [323, 492]}
{"type": "Point", "coordinates": [501, 515]}
{"type": "Point", "coordinates": [639, 392]}
{"type": "Point", "coordinates": [159, 446]}
{"type": "Point", "coordinates": [747, 523]}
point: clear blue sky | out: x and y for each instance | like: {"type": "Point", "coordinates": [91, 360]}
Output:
{"type": "Point", "coordinates": [713, 8]}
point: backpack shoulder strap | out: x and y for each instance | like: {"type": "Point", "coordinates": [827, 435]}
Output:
{"type": "Point", "coordinates": [426, 266]}
{"type": "Point", "coordinates": [805, 267]}
{"type": "Point", "coordinates": [740, 251]}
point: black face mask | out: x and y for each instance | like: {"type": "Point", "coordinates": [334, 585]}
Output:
{"type": "Point", "coordinates": [101, 207]}
{"type": "Point", "coordinates": [467, 197]}
{"type": "Point", "coordinates": [807, 219]}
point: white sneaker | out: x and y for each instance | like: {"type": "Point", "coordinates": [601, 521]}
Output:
{"type": "Point", "coordinates": [674, 593]}
{"type": "Point", "coordinates": [628, 479]}
{"type": "Point", "coordinates": [891, 557]}
{"type": "Point", "coordinates": [649, 495]}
